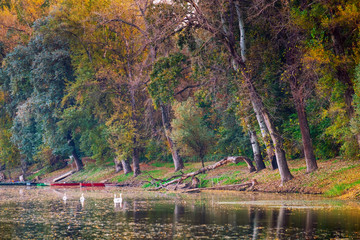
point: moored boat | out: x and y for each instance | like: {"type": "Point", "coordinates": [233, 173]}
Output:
{"type": "Point", "coordinates": [92, 184]}
{"type": "Point", "coordinates": [21, 184]}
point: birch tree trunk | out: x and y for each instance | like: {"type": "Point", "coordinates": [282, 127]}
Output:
{"type": "Point", "coordinates": [264, 132]}
{"type": "Point", "coordinates": [270, 151]}
{"type": "Point", "coordinates": [256, 150]}
{"type": "Point", "coordinates": [275, 136]}
{"type": "Point", "coordinates": [257, 101]}
{"type": "Point", "coordinates": [229, 43]}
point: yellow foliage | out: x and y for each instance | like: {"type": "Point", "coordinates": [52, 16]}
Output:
{"type": "Point", "coordinates": [317, 55]}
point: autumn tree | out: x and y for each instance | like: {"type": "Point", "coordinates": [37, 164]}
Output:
{"type": "Point", "coordinates": [208, 18]}
{"type": "Point", "coordinates": [331, 29]}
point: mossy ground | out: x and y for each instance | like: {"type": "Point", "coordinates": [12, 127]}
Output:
{"type": "Point", "coordinates": [334, 178]}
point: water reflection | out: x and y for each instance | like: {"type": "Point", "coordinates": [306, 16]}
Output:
{"type": "Point", "coordinates": [42, 213]}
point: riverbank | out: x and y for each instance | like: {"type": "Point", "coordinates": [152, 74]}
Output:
{"type": "Point", "coordinates": [335, 177]}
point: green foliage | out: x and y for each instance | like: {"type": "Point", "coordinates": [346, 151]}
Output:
{"type": "Point", "coordinates": [123, 131]}
{"type": "Point", "coordinates": [45, 158]}
{"type": "Point", "coordinates": [232, 140]}
{"type": "Point", "coordinates": [165, 78]}
{"type": "Point", "coordinates": [87, 70]}
{"type": "Point", "coordinates": [189, 130]}
{"type": "Point", "coordinates": [331, 34]}
{"type": "Point", "coordinates": [157, 151]}
{"type": "Point", "coordinates": [90, 134]}
{"type": "Point", "coordinates": [9, 154]}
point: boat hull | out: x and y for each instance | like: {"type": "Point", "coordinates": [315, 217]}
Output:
{"type": "Point", "coordinates": [92, 184]}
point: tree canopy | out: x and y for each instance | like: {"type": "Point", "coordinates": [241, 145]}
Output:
{"type": "Point", "coordinates": [119, 80]}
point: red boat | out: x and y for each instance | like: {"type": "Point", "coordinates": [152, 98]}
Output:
{"type": "Point", "coordinates": [65, 184]}
{"type": "Point", "coordinates": [92, 184]}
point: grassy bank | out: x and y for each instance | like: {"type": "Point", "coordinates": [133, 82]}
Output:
{"type": "Point", "coordinates": [334, 178]}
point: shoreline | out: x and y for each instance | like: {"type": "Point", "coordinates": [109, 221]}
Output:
{"type": "Point", "coordinates": [335, 178]}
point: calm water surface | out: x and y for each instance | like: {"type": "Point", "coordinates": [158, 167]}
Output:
{"type": "Point", "coordinates": [41, 213]}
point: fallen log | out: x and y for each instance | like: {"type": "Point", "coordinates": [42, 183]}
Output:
{"type": "Point", "coordinates": [235, 187]}
{"type": "Point", "coordinates": [64, 176]}
{"type": "Point", "coordinates": [209, 168]}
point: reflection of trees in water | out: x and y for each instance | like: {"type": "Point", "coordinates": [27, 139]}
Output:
{"type": "Point", "coordinates": [256, 216]}
{"type": "Point", "coordinates": [179, 212]}
{"type": "Point", "coordinates": [177, 218]}
{"type": "Point", "coordinates": [311, 223]}
{"type": "Point", "coordinates": [282, 222]}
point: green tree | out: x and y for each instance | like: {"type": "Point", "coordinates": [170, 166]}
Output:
{"type": "Point", "coordinates": [331, 30]}
{"type": "Point", "coordinates": [190, 132]}
{"type": "Point", "coordinates": [37, 76]}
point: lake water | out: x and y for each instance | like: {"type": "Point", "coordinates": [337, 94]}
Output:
{"type": "Point", "coordinates": [41, 213]}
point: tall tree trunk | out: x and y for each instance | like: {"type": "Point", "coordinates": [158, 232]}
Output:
{"type": "Point", "coordinates": [24, 166]}
{"type": "Point", "coordinates": [118, 165]}
{"type": "Point", "coordinates": [126, 166]}
{"type": "Point", "coordinates": [136, 165]}
{"type": "Point", "coordinates": [240, 65]}
{"type": "Point", "coordinates": [258, 105]}
{"type": "Point", "coordinates": [178, 162]}
{"type": "Point", "coordinates": [9, 173]}
{"type": "Point", "coordinates": [256, 150]}
{"type": "Point", "coordinates": [266, 137]}
{"type": "Point", "coordinates": [135, 151]}
{"type": "Point", "coordinates": [310, 159]}
{"type": "Point", "coordinates": [264, 132]}
{"type": "Point", "coordinates": [79, 164]}
{"type": "Point", "coordinates": [275, 136]}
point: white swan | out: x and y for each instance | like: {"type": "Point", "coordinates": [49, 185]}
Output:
{"type": "Point", "coordinates": [82, 199]}
{"type": "Point", "coordinates": [117, 200]}
{"type": "Point", "coordinates": [64, 197]}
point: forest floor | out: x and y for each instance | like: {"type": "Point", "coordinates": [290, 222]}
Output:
{"type": "Point", "coordinates": [335, 177]}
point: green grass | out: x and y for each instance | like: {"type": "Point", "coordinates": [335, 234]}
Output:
{"type": "Point", "coordinates": [156, 173]}
{"type": "Point", "coordinates": [122, 177]}
{"type": "Point", "coordinates": [297, 169]}
{"type": "Point", "coordinates": [91, 173]}
{"type": "Point", "coordinates": [339, 189]}
{"type": "Point", "coordinates": [39, 173]}
{"type": "Point", "coordinates": [231, 181]}
{"type": "Point", "coordinates": [163, 164]}
{"type": "Point", "coordinates": [346, 168]}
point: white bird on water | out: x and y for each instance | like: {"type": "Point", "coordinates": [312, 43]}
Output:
{"type": "Point", "coordinates": [117, 200]}
{"type": "Point", "coordinates": [64, 197]}
{"type": "Point", "coordinates": [82, 199]}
